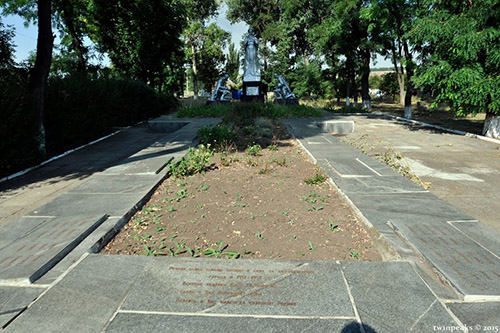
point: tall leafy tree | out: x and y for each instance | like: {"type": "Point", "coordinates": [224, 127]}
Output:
{"type": "Point", "coordinates": [138, 38]}
{"type": "Point", "coordinates": [6, 47]}
{"type": "Point", "coordinates": [212, 58]}
{"type": "Point", "coordinates": [198, 12]}
{"type": "Point", "coordinates": [461, 47]}
{"type": "Point", "coordinates": [396, 18]}
{"type": "Point", "coordinates": [233, 62]}
{"type": "Point", "coordinates": [41, 12]}
{"type": "Point", "coordinates": [72, 17]}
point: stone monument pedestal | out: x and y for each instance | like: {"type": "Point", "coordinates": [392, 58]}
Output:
{"type": "Point", "coordinates": [252, 92]}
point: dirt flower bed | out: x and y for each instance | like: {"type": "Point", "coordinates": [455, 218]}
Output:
{"type": "Point", "coordinates": [269, 203]}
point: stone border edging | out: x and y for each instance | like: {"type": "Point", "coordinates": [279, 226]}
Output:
{"type": "Point", "coordinates": [467, 134]}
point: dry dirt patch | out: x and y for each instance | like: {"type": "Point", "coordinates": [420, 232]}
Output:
{"type": "Point", "coordinates": [248, 206]}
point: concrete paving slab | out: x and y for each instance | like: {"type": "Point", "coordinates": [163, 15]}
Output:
{"type": "Point", "coordinates": [391, 297]}
{"type": "Point", "coordinates": [481, 234]}
{"type": "Point", "coordinates": [85, 300]}
{"type": "Point", "coordinates": [472, 270]}
{"type": "Point", "coordinates": [100, 184]}
{"type": "Point", "coordinates": [29, 257]}
{"type": "Point", "coordinates": [250, 287]}
{"type": "Point", "coordinates": [86, 246]}
{"type": "Point", "coordinates": [132, 322]}
{"type": "Point", "coordinates": [380, 185]}
{"type": "Point", "coordinates": [76, 204]}
{"type": "Point", "coordinates": [13, 300]}
{"type": "Point", "coordinates": [159, 125]}
{"type": "Point", "coordinates": [481, 317]}
{"type": "Point", "coordinates": [414, 207]}
{"type": "Point", "coordinates": [21, 228]}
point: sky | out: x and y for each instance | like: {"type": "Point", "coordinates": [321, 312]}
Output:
{"type": "Point", "coordinates": [25, 37]}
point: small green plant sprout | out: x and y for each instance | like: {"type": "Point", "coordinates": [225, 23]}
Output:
{"type": "Point", "coordinates": [311, 246]}
{"type": "Point", "coordinates": [259, 235]}
{"type": "Point", "coordinates": [285, 212]}
{"type": "Point", "coordinates": [334, 226]}
{"type": "Point", "coordinates": [318, 178]}
{"type": "Point", "coordinates": [171, 209]}
{"type": "Point", "coordinates": [282, 162]}
{"type": "Point", "coordinates": [272, 147]}
{"type": "Point", "coordinates": [252, 217]}
{"type": "Point", "coordinates": [294, 237]}
{"type": "Point", "coordinates": [253, 150]}
{"type": "Point", "coordinates": [158, 229]}
{"type": "Point", "coordinates": [220, 252]}
{"type": "Point", "coordinates": [150, 251]}
{"type": "Point", "coordinates": [353, 253]}
{"type": "Point", "coordinates": [292, 221]}
{"type": "Point", "coordinates": [203, 187]}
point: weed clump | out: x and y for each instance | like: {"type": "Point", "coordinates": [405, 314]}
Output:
{"type": "Point", "coordinates": [318, 178]}
{"type": "Point", "coordinates": [196, 161]}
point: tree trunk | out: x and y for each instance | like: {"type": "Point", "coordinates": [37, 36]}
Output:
{"type": "Point", "coordinates": [409, 84]}
{"type": "Point", "coordinates": [348, 93]}
{"type": "Point", "coordinates": [365, 78]}
{"type": "Point", "coordinates": [399, 72]}
{"type": "Point", "coordinates": [306, 58]}
{"type": "Point", "coordinates": [354, 90]}
{"type": "Point", "coordinates": [195, 72]}
{"type": "Point", "coordinates": [68, 15]}
{"type": "Point", "coordinates": [40, 72]}
{"type": "Point", "coordinates": [492, 125]}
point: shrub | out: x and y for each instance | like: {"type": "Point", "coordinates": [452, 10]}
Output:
{"type": "Point", "coordinates": [216, 136]}
{"type": "Point", "coordinates": [79, 109]}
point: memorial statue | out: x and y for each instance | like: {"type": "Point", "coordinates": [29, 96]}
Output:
{"type": "Point", "coordinates": [221, 91]}
{"type": "Point", "coordinates": [282, 93]}
{"type": "Point", "coordinates": [251, 68]}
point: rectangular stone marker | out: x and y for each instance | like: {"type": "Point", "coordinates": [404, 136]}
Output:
{"type": "Point", "coordinates": [474, 271]}
{"type": "Point", "coordinates": [245, 287]}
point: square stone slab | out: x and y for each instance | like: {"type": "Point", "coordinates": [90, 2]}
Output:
{"type": "Point", "coordinates": [482, 234]}
{"type": "Point", "coordinates": [13, 300]}
{"type": "Point", "coordinates": [100, 184]}
{"type": "Point", "coordinates": [391, 297]}
{"type": "Point", "coordinates": [131, 322]}
{"type": "Point", "coordinates": [20, 228]}
{"type": "Point", "coordinates": [76, 204]}
{"type": "Point", "coordinates": [31, 256]}
{"type": "Point", "coordinates": [472, 270]}
{"type": "Point", "coordinates": [412, 207]}
{"type": "Point", "coordinates": [250, 287]}
{"type": "Point", "coordinates": [378, 185]}
{"type": "Point", "coordinates": [482, 317]}
{"type": "Point", "coordinates": [86, 299]}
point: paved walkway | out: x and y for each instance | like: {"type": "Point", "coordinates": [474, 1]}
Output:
{"type": "Point", "coordinates": [462, 171]}
{"type": "Point", "coordinates": [44, 254]}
